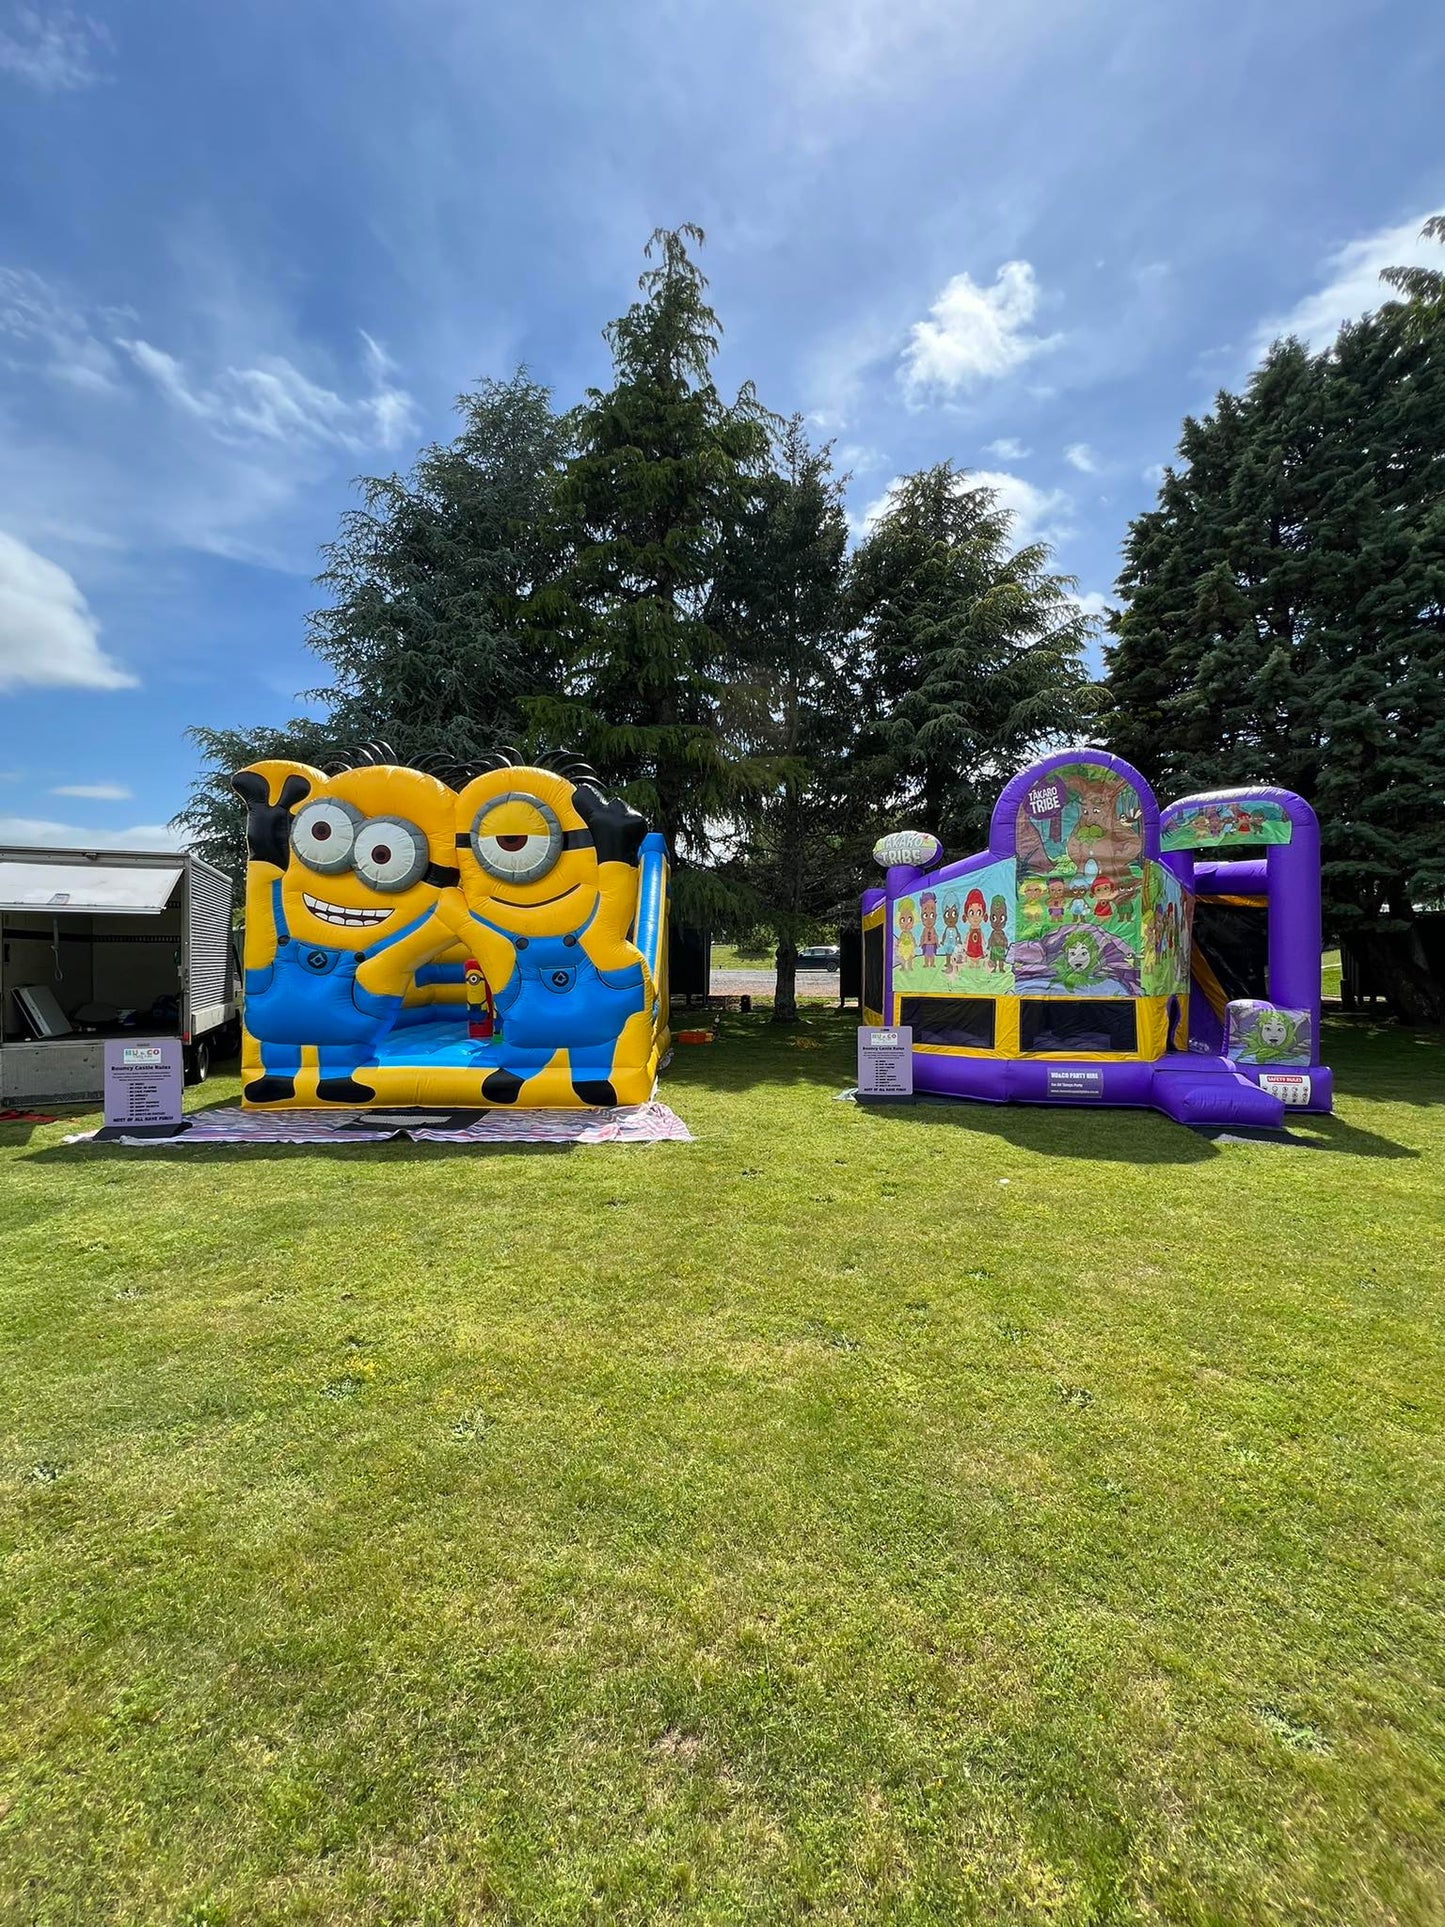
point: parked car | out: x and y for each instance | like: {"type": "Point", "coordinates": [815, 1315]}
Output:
{"type": "Point", "coordinates": [820, 956]}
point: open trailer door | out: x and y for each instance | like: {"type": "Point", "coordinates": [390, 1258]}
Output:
{"type": "Point", "coordinates": [105, 943]}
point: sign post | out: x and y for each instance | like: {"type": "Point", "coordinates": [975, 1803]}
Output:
{"type": "Point", "coordinates": [885, 1060]}
{"type": "Point", "coordinates": [144, 1078]}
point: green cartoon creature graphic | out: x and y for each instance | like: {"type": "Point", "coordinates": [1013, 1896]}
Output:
{"type": "Point", "coordinates": [1277, 1038]}
{"type": "Point", "coordinates": [1079, 963]}
{"type": "Point", "coordinates": [1033, 908]}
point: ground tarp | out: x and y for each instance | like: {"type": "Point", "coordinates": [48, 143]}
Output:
{"type": "Point", "coordinates": [628, 1124]}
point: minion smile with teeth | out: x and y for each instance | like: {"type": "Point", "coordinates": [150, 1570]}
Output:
{"type": "Point", "coordinates": [346, 873]}
{"type": "Point", "coordinates": [385, 909]}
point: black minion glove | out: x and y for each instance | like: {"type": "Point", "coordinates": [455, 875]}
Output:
{"type": "Point", "coordinates": [268, 824]}
{"type": "Point", "coordinates": [615, 827]}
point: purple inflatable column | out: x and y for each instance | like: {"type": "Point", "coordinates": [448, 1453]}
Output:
{"type": "Point", "coordinates": [1294, 914]}
{"type": "Point", "coordinates": [871, 900]}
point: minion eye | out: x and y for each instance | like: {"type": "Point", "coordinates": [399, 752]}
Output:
{"type": "Point", "coordinates": [390, 854]}
{"type": "Point", "coordinates": [324, 833]}
{"type": "Point", "coordinates": [516, 838]}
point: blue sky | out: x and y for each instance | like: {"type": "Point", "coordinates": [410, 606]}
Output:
{"type": "Point", "coordinates": [248, 252]}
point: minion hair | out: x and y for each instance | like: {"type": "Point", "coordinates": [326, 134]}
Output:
{"type": "Point", "coordinates": [361, 756]}
{"type": "Point", "coordinates": [457, 773]}
{"type": "Point", "coordinates": [557, 762]}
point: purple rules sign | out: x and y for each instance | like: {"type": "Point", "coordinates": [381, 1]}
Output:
{"type": "Point", "coordinates": [143, 1080]}
{"type": "Point", "coordinates": [885, 1061]}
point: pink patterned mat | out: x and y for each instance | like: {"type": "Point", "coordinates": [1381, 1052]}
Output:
{"type": "Point", "coordinates": [628, 1124]}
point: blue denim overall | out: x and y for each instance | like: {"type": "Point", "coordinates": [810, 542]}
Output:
{"type": "Point", "coordinates": [308, 994]}
{"type": "Point", "coordinates": [556, 997]}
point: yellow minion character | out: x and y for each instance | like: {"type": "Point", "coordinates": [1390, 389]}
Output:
{"type": "Point", "coordinates": [346, 874]}
{"type": "Point", "coordinates": [548, 899]}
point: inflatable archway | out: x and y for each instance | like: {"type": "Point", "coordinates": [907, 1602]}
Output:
{"type": "Point", "coordinates": [411, 942]}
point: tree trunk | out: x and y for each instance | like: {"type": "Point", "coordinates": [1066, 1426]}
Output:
{"type": "Point", "coordinates": [1395, 961]}
{"type": "Point", "coordinates": [785, 995]}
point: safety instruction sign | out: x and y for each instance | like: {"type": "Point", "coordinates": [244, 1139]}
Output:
{"type": "Point", "coordinates": [1290, 1087]}
{"type": "Point", "coordinates": [144, 1079]}
{"type": "Point", "coordinates": [885, 1060]}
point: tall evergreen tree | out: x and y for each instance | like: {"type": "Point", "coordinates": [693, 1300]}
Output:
{"type": "Point", "coordinates": [436, 583]}
{"type": "Point", "coordinates": [781, 594]}
{"type": "Point", "coordinates": [1283, 616]}
{"type": "Point", "coordinates": [434, 631]}
{"type": "Point", "coordinates": [971, 651]}
{"type": "Point", "coordinates": [659, 694]}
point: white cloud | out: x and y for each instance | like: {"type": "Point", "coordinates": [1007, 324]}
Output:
{"type": "Point", "coordinates": [48, 636]}
{"type": "Point", "coordinates": [54, 50]}
{"type": "Point", "coordinates": [858, 458]}
{"type": "Point", "coordinates": [206, 446]}
{"type": "Point", "coordinates": [1352, 285]}
{"type": "Point", "coordinates": [837, 365]}
{"type": "Point", "coordinates": [38, 327]}
{"type": "Point", "coordinates": [29, 831]}
{"type": "Point", "coordinates": [1039, 514]}
{"type": "Point", "coordinates": [1007, 448]}
{"type": "Point", "coordinates": [274, 401]}
{"type": "Point", "coordinates": [974, 333]}
{"type": "Point", "coordinates": [268, 400]}
{"type": "Point", "coordinates": [1093, 603]}
{"type": "Point", "coordinates": [838, 49]}
{"type": "Point", "coordinates": [1079, 455]}
{"type": "Point", "coordinates": [95, 792]}
{"type": "Point", "coordinates": [874, 510]}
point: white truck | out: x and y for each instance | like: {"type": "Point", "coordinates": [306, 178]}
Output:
{"type": "Point", "coordinates": [110, 943]}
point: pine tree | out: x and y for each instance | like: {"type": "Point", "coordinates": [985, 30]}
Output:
{"type": "Point", "coordinates": [659, 695]}
{"type": "Point", "coordinates": [781, 594]}
{"type": "Point", "coordinates": [971, 654]}
{"type": "Point", "coordinates": [434, 627]}
{"type": "Point", "coordinates": [1283, 615]}
{"type": "Point", "coordinates": [434, 631]}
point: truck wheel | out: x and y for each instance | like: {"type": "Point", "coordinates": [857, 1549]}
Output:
{"type": "Point", "coordinates": [198, 1062]}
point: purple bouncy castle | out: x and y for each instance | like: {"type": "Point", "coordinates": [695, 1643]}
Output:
{"type": "Point", "coordinates": [1102, 951]}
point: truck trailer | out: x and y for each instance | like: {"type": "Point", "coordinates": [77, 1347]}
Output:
{"type": "Point", "coordinates": [110, 943]}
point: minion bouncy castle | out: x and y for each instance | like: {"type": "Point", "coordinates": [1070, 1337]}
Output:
{"type": "Point", "coordinates": [411, 942]}
{"type": "Point", "coordinates": [1102, 951]}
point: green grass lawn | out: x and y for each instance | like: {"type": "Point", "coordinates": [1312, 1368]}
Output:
{"type": "Point", "coordinates": [926, 1515]}
{"type": "Point", "coordinates": [727, 956]}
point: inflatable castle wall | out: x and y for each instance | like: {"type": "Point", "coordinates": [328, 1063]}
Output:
{"type": "Point", "coordinates": [1062, 965]}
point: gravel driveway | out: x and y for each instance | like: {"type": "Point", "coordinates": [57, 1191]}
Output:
{"type": "Point", "coordinates": [820, 984]}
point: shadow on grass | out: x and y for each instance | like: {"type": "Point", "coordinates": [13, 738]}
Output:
{"type": "Point", "coordinates": [1113, 1136]}
{"type": "Point", "coordinates": [1383, 1062]}
{"type": "Point", "coordinates": [1331, 1133]}
{"type": "Point", "coordinates": [1130, 1136]}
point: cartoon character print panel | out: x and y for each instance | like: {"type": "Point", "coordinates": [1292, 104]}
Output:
{"type": "Point", "coordinates": [952, 939]}
{"type": "Point", "coordinates": [1213, 826]}
{"type": "Point", "coordinates": [1164, 933]}
{"type": "Point", "coordinates": [1263, 1033]}
{"type": "Point", "coordinates": [1079, 912]}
